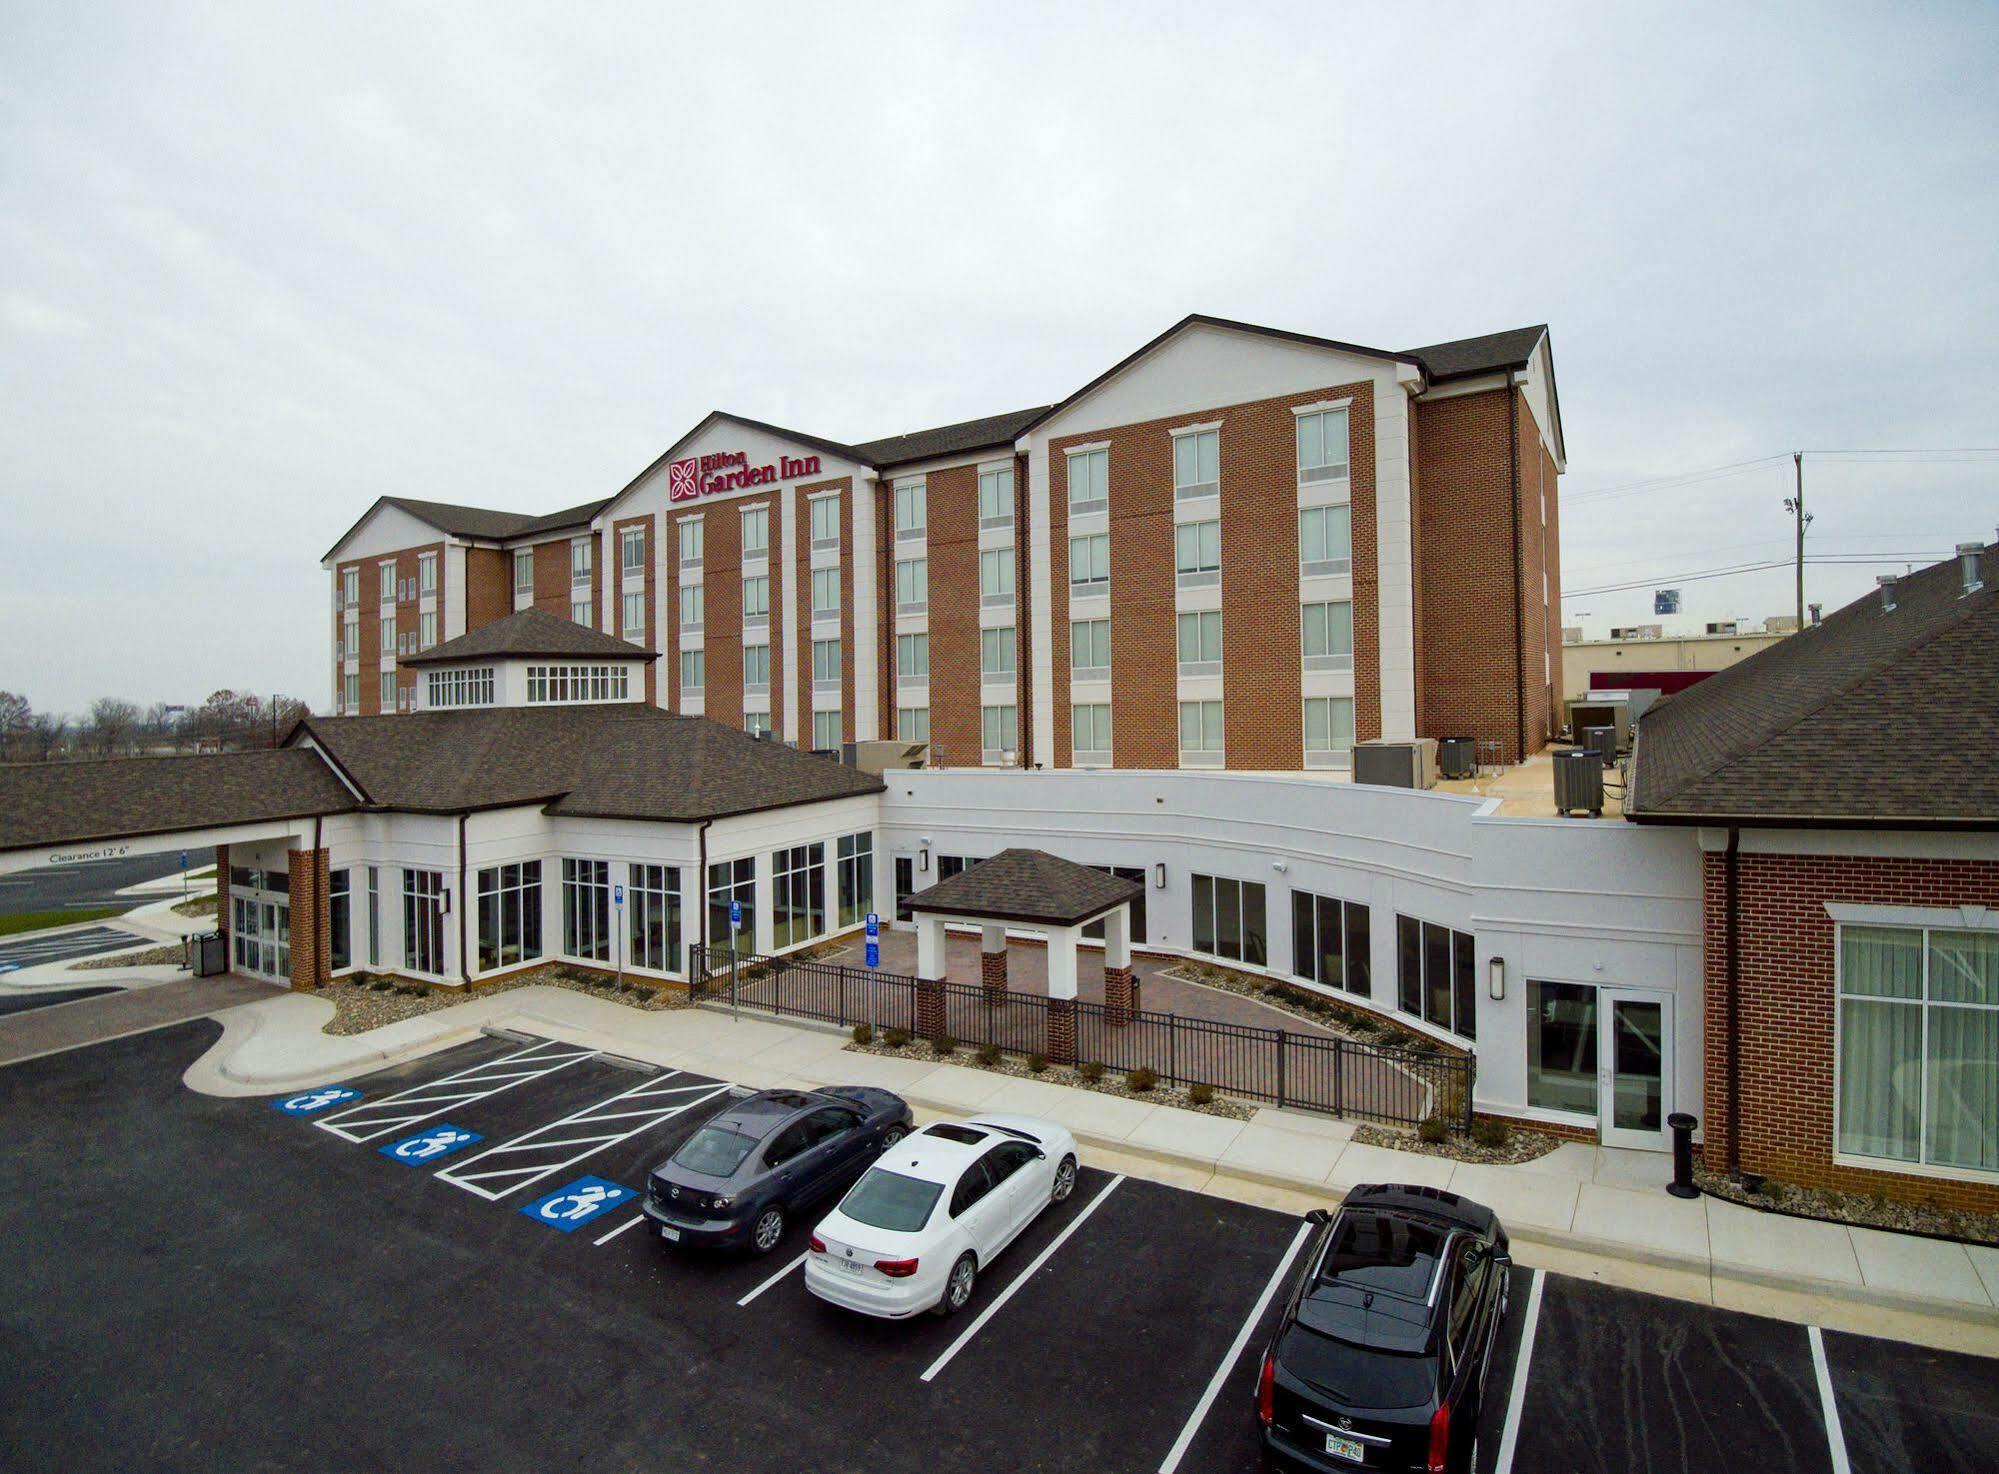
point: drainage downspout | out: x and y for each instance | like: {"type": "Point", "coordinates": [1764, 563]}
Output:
{"type": "Point", "coordinates": [464, 966]}
{"type": "Point", "coordinates": [1519, 592]}
{"type": "Point", "coordinates": [321, 913]}
{"type": "Point", "coordinates": [701, 892]}
{"type": "Point", "coordinates": [1732, 980]}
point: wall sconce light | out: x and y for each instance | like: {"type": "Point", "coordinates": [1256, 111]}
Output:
{"type": "Point", "coordinates": [923, 859]}
{"type": "Point", "coordinates": [1159, 876]}
{"type": "Point", "coordinates": [1495, 979]}
{"type": "Point", "coordinates": [1279, 866]}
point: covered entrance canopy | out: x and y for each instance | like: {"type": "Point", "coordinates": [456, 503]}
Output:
{"type": "Point", "coordinates": [1030, 890]}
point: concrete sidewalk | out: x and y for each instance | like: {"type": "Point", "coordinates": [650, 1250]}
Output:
{"type": "Point", "coordinates": [136, 1010]}
{"type": "Point", "coordinates": [1590, 1212]}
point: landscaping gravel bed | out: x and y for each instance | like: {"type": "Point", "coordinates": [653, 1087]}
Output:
{"type": "Point", "coordinates": [196, 905]}
{"type": "Point", "coordinates": [1852, 1208]}
{"type": "Point", "coordinates": [1358, 1024]}
{"type": "Point", "coordinates": [151, 957]}
{"type": "Point", "coordinates": [359, 1006]}
{"type": "Point", "coordinates": [1517, 1147]}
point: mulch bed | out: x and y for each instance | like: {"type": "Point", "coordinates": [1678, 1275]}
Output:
{"type": "Point", "coordinates": [1014, 1065]}
{"type": "Point", "coordinates": [358, 1007]}
{"type": "Point", "coordinates": [1854, 1209]}
{"type": "Point", "coordinates": [1521, 1146]}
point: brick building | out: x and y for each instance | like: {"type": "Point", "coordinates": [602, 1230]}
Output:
{"type": "Point", "coordinates": [1238, 548]}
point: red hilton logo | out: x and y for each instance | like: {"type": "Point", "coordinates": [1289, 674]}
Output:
{"type": "Point", "coordinates": [730, 470]}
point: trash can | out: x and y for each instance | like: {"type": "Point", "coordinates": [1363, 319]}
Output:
{"type": "Point", "coordinates": [210, 956]}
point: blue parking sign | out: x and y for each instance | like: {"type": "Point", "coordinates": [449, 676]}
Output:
{"type": "Point", "coordinates": [429, 1145]}
{"type": "Point", "coordinates": [569, 1208]}
{"type": "Point", "coordinates": [735, 913]}
{"type": "Point", "coordinates": [309, 1102]}
{"type": "Point", "coordinates": [617, 895]}
{"type": "Point", "coordinates": [874, 925]}
{"type": "Point", "coordinates": [874, 953]}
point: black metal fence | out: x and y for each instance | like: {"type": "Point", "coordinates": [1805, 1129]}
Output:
{"type": "Point", "coordinates": [1388, 1083]}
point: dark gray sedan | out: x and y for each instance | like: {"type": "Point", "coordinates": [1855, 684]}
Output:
{"type": "Point", "coordinates": [736, 1182]}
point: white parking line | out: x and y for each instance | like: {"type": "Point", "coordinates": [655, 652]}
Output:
{"type": "Point", "coordinates": [774, 1279]}
{"type": "Point", "coordinates": [1025, 1275]}
{"type": "Point", "coordinates": [1509, 1439]}
{"type": "Point", "coordinates": [419, 1103]}
{"type": "Point", "coordinates": [1835, 1436]}
{"type": "Point", "coordinates": [628, 1223]}
{"type": "Point", "coordinates": [1186, 1439]}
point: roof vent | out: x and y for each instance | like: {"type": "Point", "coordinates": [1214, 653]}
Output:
{"type": "Point", "coordinates": [1887, 582]}
{"type": "Point", "coordinates": [1967, 555]}
{"type": "Point", "coordinates": [1815, 608]}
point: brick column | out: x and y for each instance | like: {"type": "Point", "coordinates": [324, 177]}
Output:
{"type": "Point", "coordinates": [992, 963]}
{"type": "Point", "coordinates": [311, 943]}
{"type": "Point", "coordinates": [1118, 995]}
{"type": "Point", "coordinates": [222, 902]}
{"type": "Point", "coordinates": [929, 1007]}
{"type": "Point", "coordinates": [1062, 1030]}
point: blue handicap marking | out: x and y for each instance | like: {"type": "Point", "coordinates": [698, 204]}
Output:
{"type": "Point", "coordinates": [428, 1146]}
{"type": "Point", "coordinates": [306, 1102]}
{"type": "Point", "coordinates": [7, 967]}
{"type": "Point", "coordinates": [569, 1208]}
{"type": "Point", "coordinates": [874, 954]}
{"type": "Point", "coordinates": [874, 925]}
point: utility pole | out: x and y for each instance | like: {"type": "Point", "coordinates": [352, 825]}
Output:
{"type": "Point", "coordinates": [1795, 505]}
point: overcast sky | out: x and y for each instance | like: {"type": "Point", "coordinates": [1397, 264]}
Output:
{"type": "Point", "coordinates": [259, 265]}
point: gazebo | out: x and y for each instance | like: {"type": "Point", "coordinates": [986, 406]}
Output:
{"type": "Point", "coordinates": [1029, 890]}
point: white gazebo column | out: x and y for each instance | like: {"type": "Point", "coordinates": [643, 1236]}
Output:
{"type": "Point", "coordinates": [929, 975]}
{"type": "Point", "coordinates": [1062, 994]}
{"type": "Point", "coordinates": [1119, 998]}
{"type": "Point", "coordinates": [992, 962]}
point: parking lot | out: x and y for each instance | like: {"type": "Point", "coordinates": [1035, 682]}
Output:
{"type": "Point", "coordinates": [443, 1266]}
{"type": "Point", "coordinates": [37, 948]}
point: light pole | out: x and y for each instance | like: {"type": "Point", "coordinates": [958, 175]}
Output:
{"type": "Point", "coordinates": [1795, 505]}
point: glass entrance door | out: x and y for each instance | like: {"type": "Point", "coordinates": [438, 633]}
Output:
{"type": "Point", "coordinates": [1634, 1069]}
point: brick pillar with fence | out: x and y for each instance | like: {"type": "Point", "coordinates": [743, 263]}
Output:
{"type": "Point", "coordinates": [1062, 1030]}
{"type": "Point", "coordinates": [992, 963]}
{"type": "Point", "coordinates": [929, 1007]}
{"type": "Point", "coordinates": [1119, 997]}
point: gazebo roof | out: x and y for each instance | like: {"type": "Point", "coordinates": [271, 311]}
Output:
{"type": "Point", "coordinates": [1028, 886]}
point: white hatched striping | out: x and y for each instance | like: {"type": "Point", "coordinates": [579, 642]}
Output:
{"type": "Point", "coordinates": [379, 1118]}
{"type": "Point", "coordinates": [549, 1149]}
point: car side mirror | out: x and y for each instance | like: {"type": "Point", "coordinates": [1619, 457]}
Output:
{"type": "Point", "coordinates": [1318, 1216]}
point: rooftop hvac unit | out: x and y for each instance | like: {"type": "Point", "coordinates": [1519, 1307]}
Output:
{"type": "Point", "coordinates": [1603, 742]}
{"type": "Point", "coordinates": [1602, 711]}
{"type": "Point", "coordinates": [1400, 764]}
{"type": "Point", "coordinates": [1579, 782]}
{"type": "Point", "coordinates": [881, 756]}
{"type": "Point", "coordinates": [1457, 757]}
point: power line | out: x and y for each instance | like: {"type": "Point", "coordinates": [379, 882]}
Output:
{"type": "Point", "coordinates": [1966, 454]}
{"type": "Point", "coordinates": [1848, 560]}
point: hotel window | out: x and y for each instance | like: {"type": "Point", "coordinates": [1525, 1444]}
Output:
{"type": "Point", "coordinates": [912, 512]}
{"type": "Point", "coordinates": [350, 586]}
{"type": "Point", "coordinates": [1090, 732]}
{"type": "Point", "coordinates": [825, 521]}
{"type": "Point", "coordinates": [423, 921]}
{"type": "Point", "coordinates": [632, 552]}
{"type": "Point", "coordinates": [1325, 540]}
{"type": "Point", "coordinates": [912, 585]}
{"type": "Point", "coordinates": [1328, 635]}
{"type": "Point", "coordinates": [826, 730]}
{"type": "Point", "coordinates": [1201, 643]}
{"type": "Point", "coordinates": [1322, 445]}
{"type": "Point", "coordinates": [472, 686]}
{"type": "Point", "coordinates": [757, 723]}
{"type": "Point", "coordinates": [1090, 648]}
{"type": "Point", "coordinates": [693, 669]}
{"type": "Point", "coordinates": [427, 625]}
{"type": "Point", "coordinates": [579, 560]}
{"type": "Point", "coordinates": [756, 532]}
{"type": "Point", "coordinates": [732, 880]}
{"type": "Point", "coordinates": [1089, 481]}
{"type": "Point", "coordinates": [1437, 968]}
{"type": "Point", "coordinates": [1090, 564]}
{"type": "Point", "coordinates": [579, 610]}
{"type": "Point", "coordinates": [1329, 942]}
{"type": "Point", "coordinates": [350, 638]}
{"type": "Point", "coordinates": [912, 658]}
{"type": "Point", "coordinates": [756, 598]}
{"type": "Point", "coordinates": [826, 663]}
{"type": "Point", "coordinates": [912, 723]}
{"type": "Point", "coordinates": [352, 693]}
{"type": "Point", "coordinates": [854, 863]}
{"type": "Point", "coordinates": [996, 576]}
{"type": "Point", "coordinates": [1917, 1062]}
{"type": "Point", "coordinates": [996, 652]}
{"type": "Point", "coordinates": [996, 498]}
{"type": "Point", "coordinates": [1197, 553]}
{"type": "Point", "coordinates": [388, 690]}
{"type": "Point", "coordinates": [999, 732]}
{"type": "Point", "coordinates": [690, 541]}
{"type": "Point", "coordinates": [797, 894]}
{"type": "Point", "coordinates": [586, 909]}
{"type": "Point", "coordinates": [635, 616]}
{"type": "Point", "coordinates": [825, 592]}
{"type": "Point", "coordinates": [655, 939]}
{"type": "Point", "coordinates": [339, 920]}
{"type": "Point", "coordinates": [509, 914]}
{"type": "Point", "coordinates": [1329, 725]}
{"type": "Point", "coordinates": [756, 667]}
{"type": "Point", "coordinates": [1200, 729]}
{"type": "Point", "coordinates": [1197, 465]}
{"type": "Point", "coordinates": [691, 606]}
{"type": "Point", "coordinates": [426, 574]}
{"type": "Point", "coordinates": [1228, 919]}
{"type": "Point", "coordinates": [388, 634]}
{"type": "Point", "coordinates": [524, 572]}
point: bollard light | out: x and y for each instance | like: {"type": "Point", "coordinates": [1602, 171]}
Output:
{"type": "Point", "coordinates": [1495, 979]}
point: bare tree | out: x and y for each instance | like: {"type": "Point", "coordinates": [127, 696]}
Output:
{"type": "Point", "coordinates": [44, 738]}
{"type": "Point", "coordinates": [15, 716]}
{"type": "Point", "coordinates": [110, 725]}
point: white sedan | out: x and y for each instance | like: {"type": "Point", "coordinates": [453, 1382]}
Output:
{"type": "Point", "coordinates": [913, 1234]}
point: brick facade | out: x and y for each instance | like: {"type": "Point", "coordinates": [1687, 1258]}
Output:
{"type": "Point", "coordinates": [648, 630]}
{"type": "Point", "coordinates": [800, 665]}
{"type": "Point", "coordinates": [722, 613]}
{"type": "Point", "coordinates": [311, 903]}
{"type": "Point", "coordinates": [952, 501]}
{"type": "Point", "coordinates": [1786, 1007]}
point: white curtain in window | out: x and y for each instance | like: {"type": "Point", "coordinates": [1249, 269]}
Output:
{"type": "Point", "coordinates": [1881, 1043]}
{"type": "Point", "coordinates": [1964, 1049]}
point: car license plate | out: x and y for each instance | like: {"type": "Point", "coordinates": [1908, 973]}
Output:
{"type": "Point", "coordinates": [1345, 1448]}
{"type": "Point", "coordinates": [852, 1266]}
{"type": "Point", "coordinates": [668, 1232]}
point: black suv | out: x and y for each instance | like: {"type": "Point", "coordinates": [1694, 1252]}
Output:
{"type": "Point", "coordinates": [1380, 1357]}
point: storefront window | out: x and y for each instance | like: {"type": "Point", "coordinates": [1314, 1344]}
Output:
{"type": "Point", "coordinates": [586, 909]}
{"type": "Point", "coordinates": [732, 880]}
{"type": "Point", "coordinates": [423, 921]}
{"type": "Point", "coordinates": [798, 894]}
{"type": "Point", "coordinates": [1229, 919]}
{"type": "Point", "coordinates": [1437, 968]}
{"type": "Point", "coordinates": [656, 917]}
{"type": "Point", "coordinates": [856, 856]}
{"type": "Point", "coordinates": [339, 921]}
{"type": "Point", "coordinates": [1329, 941]}
{"type": "Point", "coordinates": [509, 914]}
{"type": "Point", "coordinates": [1561, 1047]}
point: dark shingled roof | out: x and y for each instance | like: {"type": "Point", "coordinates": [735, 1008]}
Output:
{"type": "Point", "coordinates": [482, 523]}
{"type": "Point", "coordinates": [1492, 353]}
{"type": "Point", "coordinates": [1870, 719]}
{"type": "Point", "coordinates": [622, 761]}
{"type": "Point", "coordinates": [532, 632]}
{"type": "Point", "coordinates": [45, 804]}
{"type": "Point", "coordinates": [1030, 886]}
{"type": "Point", "coordinates": [923, 445]}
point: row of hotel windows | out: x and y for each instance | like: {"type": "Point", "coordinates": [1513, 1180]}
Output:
{"type": "Point", "coordinates": [1322, 456]}
{"type": "Point", "coordinates": [393, 589]}
{"type": "Point", "coordinates": [1325, 546]}
{"type": "Point", "coordinates": [1328, 727]}
{"type": "Point", "coordinates": [409, 642]}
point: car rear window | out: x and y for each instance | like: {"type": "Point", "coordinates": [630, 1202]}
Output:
{"type": "Point", "coordinates": [885, 1199]}
{"type": "Point", "coordinates": [1383, 1252]}
{"type": "Point", "coordinates": [714, 1150]}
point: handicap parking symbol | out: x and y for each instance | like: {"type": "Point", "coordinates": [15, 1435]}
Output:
{"type": "Point", "coordinates": [428, 1146]}
{"type": "Point", "coordinates": [306, 1102]}
{"type": "Point", "coordinates": [569, 1208]}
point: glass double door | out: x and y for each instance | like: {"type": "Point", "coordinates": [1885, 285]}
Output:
{"type": "Point", "coordinates": [260, 935]}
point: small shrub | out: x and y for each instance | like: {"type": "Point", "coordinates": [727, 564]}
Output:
{"type": "Point", "coordinates": [1200, 1095]}
{"type": "Point", "coordinates": [1091, 1071]}
{"type": "Point", "coordinates": [1433, 1130]}
{"type": "Point", "coordinates": [944, 1045]}
{"type": "Point", "coordinates": [1774, 1191]}
{"type": "Point", "coordinates": [1037, 1064]}
{"type": "Point", "coordinates": [1140, 1080]}
{"type": "Point", "coordinates": [896, 1038]}
{"type": "Point", "coordinates": [1492, 1135]}
{"type": "Point", "coordinates": [988, 1055]}
{"type": "Point", "coordinates": [864, 1033]}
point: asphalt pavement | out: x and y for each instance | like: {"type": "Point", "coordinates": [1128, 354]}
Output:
{"type": "Point", "coordinates": [32, 949]}
{"type": "Point", "coordinates": [91, 884]}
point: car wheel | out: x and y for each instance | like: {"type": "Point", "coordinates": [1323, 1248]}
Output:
{"type": "Point", "coordinates": [1065, 1181]}
{"type": "Point", "coordinates": [891, 1136]}
{"type": "Point", "coordinates": [768, 1231]}
{"type": "Point", "coordinates": [958, 1287]}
